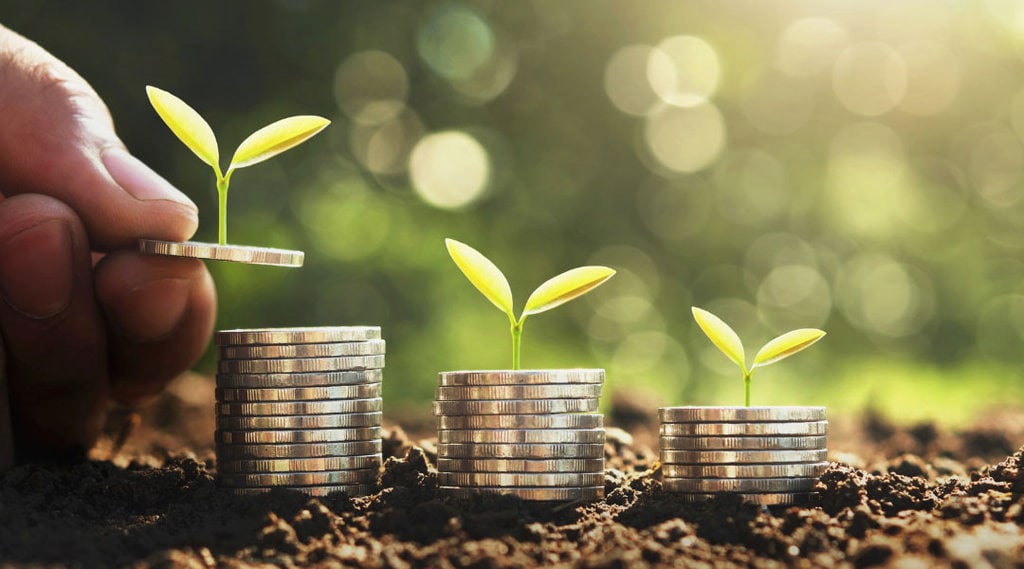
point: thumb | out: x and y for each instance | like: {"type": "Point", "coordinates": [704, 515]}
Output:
{"type": "Point", "coordinates": [57, 139]}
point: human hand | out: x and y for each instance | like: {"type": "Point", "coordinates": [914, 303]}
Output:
{"type": "Point", "coordinates": [83, 318]}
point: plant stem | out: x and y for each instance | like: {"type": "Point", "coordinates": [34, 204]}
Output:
{"type": "Point", "coordinates": [517, 342]}
{"type": "Point", "coordinates": [222, 211]}
{"type": "Point", "coordinates": [746, 388]}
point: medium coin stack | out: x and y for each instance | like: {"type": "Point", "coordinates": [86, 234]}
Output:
{"type": "Point", "coordinates": [299, 408]}
{"type": "Point", "coordinates": [532, 434]}
{"type": "Point", "coordinates": [768, 455]}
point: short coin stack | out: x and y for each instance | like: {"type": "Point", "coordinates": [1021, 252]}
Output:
{"type": "Point", "coordinates": [769, 455]}
{"type": "Point", "coordinates": [299, 408]}
{"type": "Point", "coordinates": [531, 434]}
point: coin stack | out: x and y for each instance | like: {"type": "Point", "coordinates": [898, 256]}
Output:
{"type": "Point", "coordinates": [768, 455]}
{"type": "Point", "coordinates": [299, 408]}
{"type": "Point", "coordinates": [532, 434]}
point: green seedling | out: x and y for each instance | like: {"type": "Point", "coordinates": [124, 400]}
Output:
{"type": "Point", "coordinates": [726, 339]}
{"type": "Point", "coordinates": [490, 281]}
{"type": "Point", "coordinates": [197, 135]}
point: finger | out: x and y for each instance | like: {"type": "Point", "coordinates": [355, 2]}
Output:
{"type": "Point", "coordinates": [159, 315]}
{"type": "Point", "coordinates": [58, 139]}
{"type": "Point", "coordinates": [51, 327]}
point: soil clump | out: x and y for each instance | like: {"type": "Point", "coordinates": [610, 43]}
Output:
{"type": "Point", "coordinates": [917, 496]}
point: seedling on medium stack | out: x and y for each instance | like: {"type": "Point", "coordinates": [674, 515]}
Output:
{"type": "Point", "coordinates": [528, 433]}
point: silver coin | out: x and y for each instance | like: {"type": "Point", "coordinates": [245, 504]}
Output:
{"type": "Point", "coordinates": [539, 450]}
{"type": "Point", "coordinates": [520, 465]}
{"type": "Point", "coordinates": [751, 485]}
{"type": "Point", "coordinates": [515, 407]}
{"type": "Point", "coordinates": [333, 421]}
{"type": "Point", "coordinates": [520, 377]}
{"type": "Point", "coordinates": [765, 499]}
{"type": "Point", "coordinates": [361, 391]}
{"type": "Point", "coordinates": [300, 365]}
{"type": "Point", "coordinates": [313, 379]}
{"type": "Point", "coordinates": [236, 253]}
{"type": "Point", "coordinates": [560, 391]}
{"type": "Point", "coordinates": [531, 494]}
{"type": "Point", "coordinates": [301, 407]}
{"type": "Point", "coordinates": [741, 443]}
{"type": "Point", "coordinates": [810, 469]}
{"type": "Point", "coordinates": [279, 351]}
{"type": "Point", "coordinates": [744, 429]}
{"type": "Point", "coordinates": [298, 436]}
{"type": "Point", "coordinates": [556, 421]}
{"type": "Point", "coordinates": [299, 464]}
{"type": "Point", "coordinates": [306, 450]}
{"type": "Point", "coordinates": [519, 479]}
{"type": "Point", "coordinates": [308, 335]}
{"type": "Point", "coordinates": [364, 476]}
{"type": "Point", "coordinates": [522, 436]}
{"type": "Point", "coordinates": [741, 456]}
{"type": "Point", "coordinates": [318, 491]}
{"type": "Point", "coordinates": [739, 414]}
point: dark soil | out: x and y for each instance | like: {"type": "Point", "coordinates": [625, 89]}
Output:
{"type": "Point", "coordinates": [916, 496]}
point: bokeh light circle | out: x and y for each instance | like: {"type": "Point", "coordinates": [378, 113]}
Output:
{"type": "Point", "coordinates": [687, 139]}
{"type": "Point", "coordinates": [868, 184]}
{"type": "Point", "coordinates": [881, 295]}
{"type": "Point", "coordinates": [625, 80]}
{"type": "Point", "coordinates": [933, 78]}
{"type": "Point", "coordinates": [870, 78]}
{"type": "Point", "coordinates": [810, 45]}
{"type": "Point", "coordinates": [384, 148]}
{"type": "Point", "coordinates": [456, 42]}
{"type": "Point", "coordinates": [450, 169]}
{"type": "Point", "coordinates": [371, 87]}
{"type": "Point", "coordinates": [996, 166]}
{"type": "Point", "coordinates": [683, 70]}
{"type": "Point", "coordinates": [794, 296]}
{"type": "Point", "coordinates": [777, 104]}
{"type": "Point", "coordinates": [752, 187]}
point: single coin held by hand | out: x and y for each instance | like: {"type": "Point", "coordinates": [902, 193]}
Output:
{"type": "Point", "coordinates": [234, 253]}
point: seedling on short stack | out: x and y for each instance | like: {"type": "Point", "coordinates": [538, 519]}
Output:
{"type": "Point", "coordinates": [768, 455]}
{"type": "Point", "coordinates": [726, 340]}
{"type": "Point", "coordinates": [528, 433]}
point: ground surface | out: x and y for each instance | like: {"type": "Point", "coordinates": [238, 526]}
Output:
{"type": "Point", "coordinates": [914, 496]}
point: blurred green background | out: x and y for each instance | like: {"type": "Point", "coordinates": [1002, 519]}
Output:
{"type": "Point", "coordinates": [854, 166]}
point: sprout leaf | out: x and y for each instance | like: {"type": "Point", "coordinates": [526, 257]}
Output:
{"type": "Point", "coordinates": [786, 345]}
{"type": "Point", "coordinates": [484, 275]}
{"type": "Point", "coordinates": [565, 287]}
{"type": "Point", "coordinates": [275, 138]}
{"type": "Point", "coordinates": [187, 125]}
{"type": "Point", "coordinates": [721, 335]}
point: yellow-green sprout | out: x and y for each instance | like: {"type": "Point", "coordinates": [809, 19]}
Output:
{"type": "Point", "coordinates": [197, 135]}
{"type": "Point", "coordinates": [726, 340]}
{"type": "Point", "coordinates": [490, 281]}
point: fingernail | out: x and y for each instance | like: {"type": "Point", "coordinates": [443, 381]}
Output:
{"type": "Point", "coordinates": [152, 311]}
{"type": "Point", "coordinates": [139, 180]}
{"type": "Point", "coordinates": [36, 269]}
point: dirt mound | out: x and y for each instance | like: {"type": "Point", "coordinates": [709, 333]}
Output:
{"type": "Point", "coordinates": [921, 497]}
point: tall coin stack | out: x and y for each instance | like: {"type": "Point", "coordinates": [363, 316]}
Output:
{"type": "Point", "coordinates": [299, 408]}
{"type": "Point", "coordinates": [769, 455]}
{"type": "Point", "coordinates": [532, 434]}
